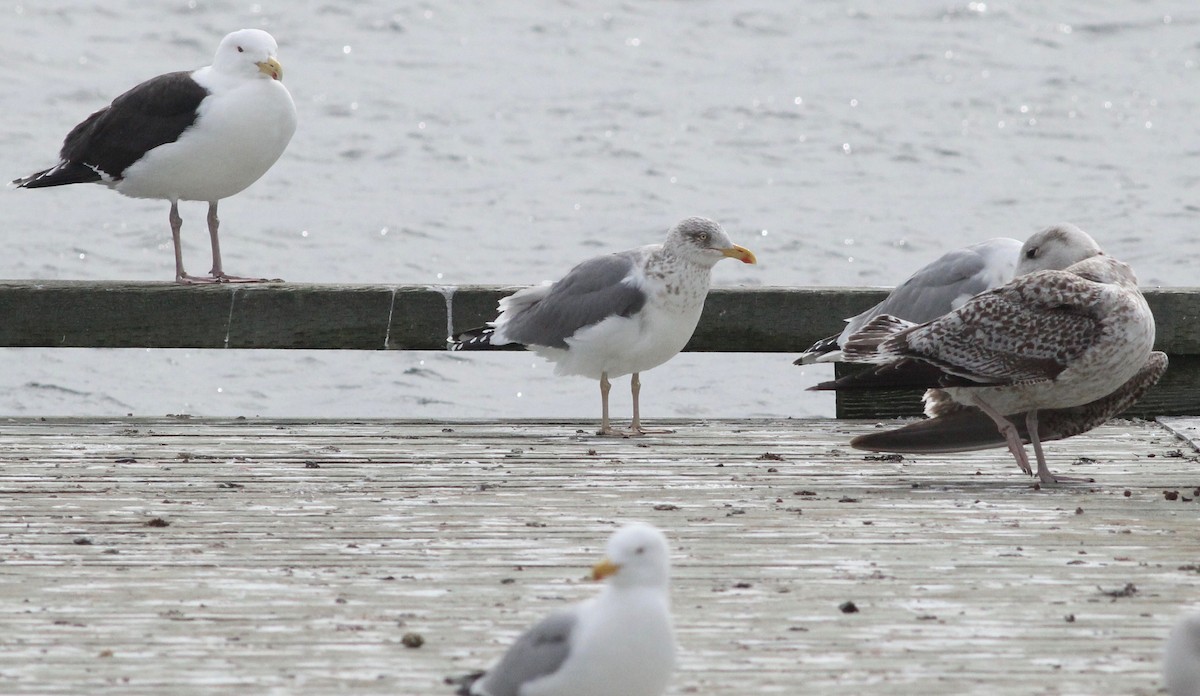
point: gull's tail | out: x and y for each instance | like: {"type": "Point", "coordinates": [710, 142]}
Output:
{"type": "Point", "coordinates": [480, 338]}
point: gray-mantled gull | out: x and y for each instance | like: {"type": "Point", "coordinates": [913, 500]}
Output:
{"type": "Point", "coordinates": [619, 642]}
{"type": "Point", "coordinates": [948, 282]}
{"type": "Point", "coordinates": [1181, 657]}
{"type": "Point", "coordinates": [202, 135]}
{"type": "Point", "coordinates": [1046, 340]}
{"type": "Point", "coordinates": [616, 314]}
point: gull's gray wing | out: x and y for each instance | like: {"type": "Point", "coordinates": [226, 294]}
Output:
{"type": "Point", "coordinates": [539, 651]}
{"type": "Point", "coordinates": [945, 284]}
{"type": "Point", "coordinates": [590, 293]}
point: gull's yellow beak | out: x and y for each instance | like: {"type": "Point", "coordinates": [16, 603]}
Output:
{"type": "Point", "coordinates": [603, 569]}
{"type": "Point", "coordinates": [271, 67]}
{"type": "Point", "coordinates": [740, 253]}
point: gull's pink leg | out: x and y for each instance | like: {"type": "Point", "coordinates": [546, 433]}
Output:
{"type": "Point", "coordinates": [1043, 471]}
{"type": "Point", "coordinates": [217, 272]}
{"type": "Point", "coordinates": [635, 386]}
{"type": "Point", "coordinates": [605, 426]}
{"type": "Point", "coordinates": [1009, 431]}
{"type": "Point", "coordinates": [180, 275]}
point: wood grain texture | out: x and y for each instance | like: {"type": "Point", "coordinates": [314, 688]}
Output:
{"type": "Point", "coordinates": [297, 554]}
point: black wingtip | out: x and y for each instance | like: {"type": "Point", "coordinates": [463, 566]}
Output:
{"type": "Point", "coordinates": [61, 175]}
{"type": "Point", "coordinates": [821, 348]}
{"type": "Point", "coordinates": [480, 338]}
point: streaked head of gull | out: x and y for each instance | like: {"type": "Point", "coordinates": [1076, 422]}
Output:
{"type": "Point", "coordinates": [1055, 248]}
{"type": "Point", "coordinates": [637, 555]}
{"type": "Point", "coordinates": [704, 242]}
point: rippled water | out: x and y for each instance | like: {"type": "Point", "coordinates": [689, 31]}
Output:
{"type": "Point", "coordinates": [480, 142]}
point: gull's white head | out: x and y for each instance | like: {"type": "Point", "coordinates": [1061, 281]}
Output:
{"type": "Point", "coordinates": [249, 53]}
{"type": "Point", "coordinates": [1181, 657]}
{"type": "Point", "coordinates": [1055, 248]}
{"type": "Point", "coordinates": [637, 555]}
{"type": "Point", "coordinates": [703, 241]}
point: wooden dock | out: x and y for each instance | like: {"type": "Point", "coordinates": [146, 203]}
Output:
{"type": "Point", "coordinates": [186, 556]}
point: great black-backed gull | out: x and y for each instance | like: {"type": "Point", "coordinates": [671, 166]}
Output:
{"type": "Point", "coordinates": [619, 642]}
{"type": "Point", "coordinates": [949, 281]}
{"type": "Point", "coordinates": [202, 135]}
{"type": "Point", "coordinates": [1046, 340]}
{"type": "Point", "coordinates": [616, 314]}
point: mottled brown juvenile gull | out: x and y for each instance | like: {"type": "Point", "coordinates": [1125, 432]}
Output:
{"type": "Point", "coordinates": [948, 282]}
{"type": "Point", "coordinates": [1046, 340]}
{"type": "Point", "coordinates": [1181, 657]}
{"type": "Point", "coordinates": [201, 135]}
{"type": "Point", "coordinates": [619, 642]}
{"type": "Point", "coordinates": [616, 314]}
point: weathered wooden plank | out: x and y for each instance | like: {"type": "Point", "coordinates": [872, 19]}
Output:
{"type": "Point", "coordinates": [299, 553]}
{"type": "Point", "coordinates": [360, 317]}
{"type": "Point", "coordinates": [377, 317]}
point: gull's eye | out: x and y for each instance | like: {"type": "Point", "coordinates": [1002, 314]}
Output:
{"type": "Point", "coordinates": [703, 236]}
{"type": "Point", "coordinates": [642, 549]}
{"type": "Point", "coordinates": [241, 50]}
{"type": "Point", "coordinates": [1032, 253]}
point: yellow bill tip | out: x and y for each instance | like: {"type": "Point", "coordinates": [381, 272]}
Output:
{"type": "Point", "coordinates": [272, 68]}
{"type": "Point", "coordinates": [603, 569]}
{"type": "Point", "coordinates": [740, 253]}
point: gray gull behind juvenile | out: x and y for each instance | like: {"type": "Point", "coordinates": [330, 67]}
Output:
{"type": "Point", "coordinates": [946, 283]}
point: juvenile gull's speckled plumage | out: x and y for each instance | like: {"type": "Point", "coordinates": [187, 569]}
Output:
{"type": "Point", "coordinates": [616, 314]}
{"type": "Point", "coordinates": [1047, 340]}
{"type": "Point", "coordinates": [948, 282]}
{"type": "Point", "coordinates": [619, 642]}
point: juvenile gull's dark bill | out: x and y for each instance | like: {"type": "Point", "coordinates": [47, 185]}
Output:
{"type": "Point", "coordinates": [619, 642]}
{"type": "Point", "coordinates": [948, 282]}
{"type": "Point", "coordinates": [1048, 340]}
{"type": "Point", "coordinates": [616, 314]}
{"type": "Point", "coordinates": [202, 135]}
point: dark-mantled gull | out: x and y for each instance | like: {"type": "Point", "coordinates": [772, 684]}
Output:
{"type": "Point", "coordinates": [1181, 657]}
{"type": "Point", "coordinates": [619, 642]}
{"type": "Point", "coordinates": [616, 314]}
{"type": "Point", "coordinates": [201, 135]}
{"type": "Point", "coordinates": [948, 282]}
{"type": "Point", "coordinates": [1046, 340]}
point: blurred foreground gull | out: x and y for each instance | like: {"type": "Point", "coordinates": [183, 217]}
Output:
{"type": "Point", "coordinates": [202, 135]}
{"type": "Point", "coordinates": [1181, 659]}
{"type": "Point", "coordinates": [618, 642]}
{"type": "Point", "coordinates": [948, 282]}
{"type": "Point", "coordinates": [1057, 340]}
{"type": "Point", "coordinates": [616, 314]}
